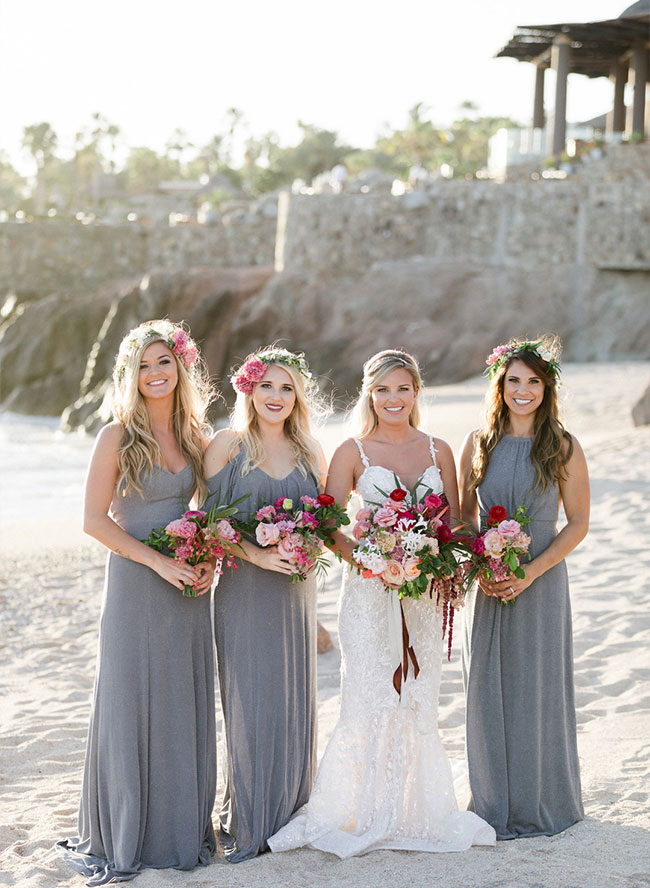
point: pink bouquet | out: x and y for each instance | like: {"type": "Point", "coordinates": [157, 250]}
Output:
{"type": "Point", "coordinates": [496, 553]}
{"type": "Point", "coordinates": [298, 532]}
{"type": "Point", "coordinates": [197, 537]}
{"type": "Point", "coordinates": [413, 551]}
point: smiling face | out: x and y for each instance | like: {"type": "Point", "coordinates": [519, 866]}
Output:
{"type": "Point", "coordinates": [523, 390]}
{"type": "Point", "coordinates": [394, 396]}
{"type": "Point", "coordinates": [158, 373]}
{"type": "Point", "coordinates": [274, 395]}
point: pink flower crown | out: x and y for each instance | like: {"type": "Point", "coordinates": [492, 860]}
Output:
{"type": "Point", "coordinates": [254, 369]}
{"type": "Point", "coordinates": [501, 354]}
{"type": "Point", "coordinates": [177, 341]}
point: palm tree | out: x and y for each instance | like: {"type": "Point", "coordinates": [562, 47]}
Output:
{"type": "Point", "coordinates": [40, 140]}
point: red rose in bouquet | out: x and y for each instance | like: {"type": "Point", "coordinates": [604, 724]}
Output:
{"type": "Point", "coordinates": [496, 515]}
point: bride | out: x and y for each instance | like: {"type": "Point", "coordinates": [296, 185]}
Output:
{"type": "Point", "coordinates": [385, 780]}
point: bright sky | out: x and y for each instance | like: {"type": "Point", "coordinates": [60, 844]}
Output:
{"type": "Point", "coordinates": [151, 66]}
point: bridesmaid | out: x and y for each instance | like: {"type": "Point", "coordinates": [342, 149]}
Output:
{"type": "Point", "coordinates": [517, 660]}
{"type": "Point", "coordinates": [265, 625]}
{"type": "Point", "coordinates": [150, 772]}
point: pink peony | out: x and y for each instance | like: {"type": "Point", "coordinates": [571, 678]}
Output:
{"type": "Point", "coordinates": [360, 529]}
{"type": "Point", "coordinates": [497, 353]}
{"type": "Point", "coordinates": [309, 501]}
{"type": "Point", "coordinates": [509, 528]}
{"type": "Point", "coordinates": [267, 534]}
{"type": "Point", "coordinates": [265, 512]}
{"type": "Point", "coordinates": [364, 515]}
{"type": "Point", "coordinates": [189, 355]}
{"type": "Point", "coordinates": [286, 548]}
{"type": "Point", "coordinates": [432, 501]}
{"type": "Point", "coordinates": [393, 574]}
{"type": "Point", "coordinates": [180, 340]}
{"type": "Point", "coordinates": [385, 517]}
{"type": "Point", "coordinates": [241, 384]}
{"type": "Point", "coordinates": [493, 543]}
{"type": "Point", "coordinates": [306, 519]}
{"type": "Point", "coordinates": [253, 370]}
{"type": "Point", "coordinates": [182, 527]}
{"type": "Point", "coordinates": [410, 568]}
{"type": "Point", "coordinates": [521, 540]}
{"type": "Point", "coordinates": [226, 531]}
{"type": "Point", "coordinates": [249, 373]}
{"type": "Point", "coordinates": [285, 526]}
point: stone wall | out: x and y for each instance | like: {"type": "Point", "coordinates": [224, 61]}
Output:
{"type": "Point", "coordinates": [445, 273]}
{"type": "Point", "coordinates": [513, 225]}
{"type": "Point", "coordinates": [56, 256]}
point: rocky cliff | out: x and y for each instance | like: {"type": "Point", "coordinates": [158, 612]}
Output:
{"type": "Point", "coordinates": [446, 274]}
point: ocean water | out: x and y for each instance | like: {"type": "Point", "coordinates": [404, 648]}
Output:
{"type": "Point", "coordinates": [42, 475]}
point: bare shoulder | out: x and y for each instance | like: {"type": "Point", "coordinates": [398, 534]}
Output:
{"type": "Point", "coordinates": [470, 438]}
{"type": "Point", "coordinates": [109, 437]}
{"type": "Point", "coordinates": [469, 441]}
{"type": "Point", "coordinates": [346, 461]}
{"type": "Point", "coordinates": [442, 448]}
{"type": "Point", "coordinates": [343, 469]}
{"type": "Point", "coordinates": [218, 451]}
{"type": "Point", "coordinates": [572, 450]}
{"type": "Point", "coordinates": [222, 438]}
{"type": "Point", "coordinates": [347, 452]}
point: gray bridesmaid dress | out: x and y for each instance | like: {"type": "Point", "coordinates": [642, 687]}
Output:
{"type": "Point", "coordinates": [518, 670]}
{"type": "Point", "coordinates": [150, 772]}
{"type": "Point", "coordinates": [265, 630]}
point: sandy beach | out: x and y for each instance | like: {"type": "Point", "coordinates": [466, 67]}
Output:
{"type": "Point", "coordinates": [50, 603]}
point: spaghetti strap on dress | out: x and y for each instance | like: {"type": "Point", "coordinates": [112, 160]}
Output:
{"type": "Point", "coordinates": [385, 780]}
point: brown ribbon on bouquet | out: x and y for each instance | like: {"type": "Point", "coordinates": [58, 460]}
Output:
{"type": "Point", "coordinates": [402, 671]}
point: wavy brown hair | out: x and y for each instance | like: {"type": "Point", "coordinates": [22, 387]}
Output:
{"type": "Point", "coordinates": [549, 453]}
{"type": "Point", "coordinates": [139, 451]}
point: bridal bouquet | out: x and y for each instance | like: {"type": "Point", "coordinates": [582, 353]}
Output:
{"type": "Point", "coordinates": [198, 536]}
{"type": "Point", "coordinates": [299, 531]}
{"type": "Point", "coordinates": [412, 550]}
{"type": "Point", "coordinates": [496, 553]}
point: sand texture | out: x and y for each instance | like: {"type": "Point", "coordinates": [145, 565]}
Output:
{"type": "Point", "coordinates": [49, 618]}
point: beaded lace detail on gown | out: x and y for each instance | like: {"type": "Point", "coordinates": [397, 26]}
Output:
{"type": "Point", "coordinates": [384, 780]}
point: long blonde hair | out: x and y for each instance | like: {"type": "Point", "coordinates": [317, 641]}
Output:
{"type": "Point", "coordinates": [139, 451]}
{"type": "Point", "coordinates": [308, 407]}
{"type": "Point", "coordinates": [363, 417]}
{"type": "Point", "coordinates": [549, 453]}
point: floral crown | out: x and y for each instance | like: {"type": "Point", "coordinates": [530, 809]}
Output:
{"type": "Point", "coordinates": [255, 368]}
{"type": "Point", "coordinates": [501, 354]}
{"type": "Point", "coordinates": [175, 338]}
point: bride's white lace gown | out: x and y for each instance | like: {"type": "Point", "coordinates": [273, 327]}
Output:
{"type": "Point", "coordinates": [384, 780]}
